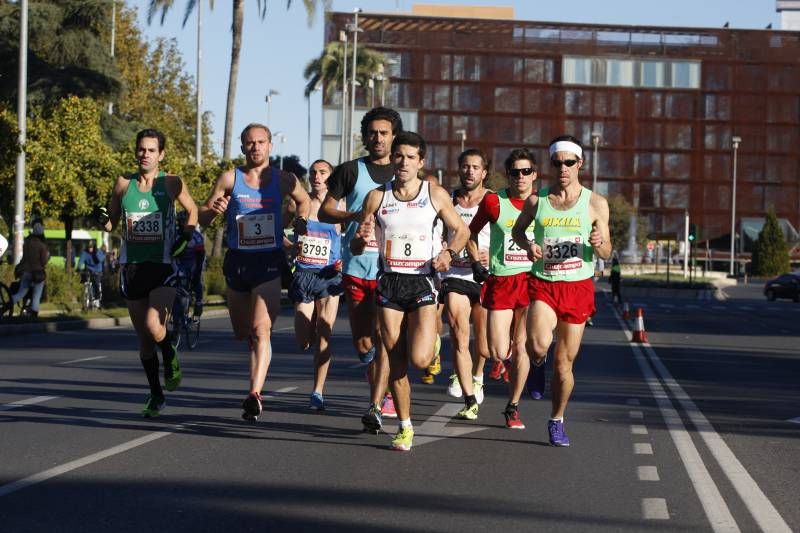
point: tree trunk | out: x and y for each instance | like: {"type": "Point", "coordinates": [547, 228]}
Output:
{"type": "Point", "coordinates": [217, 249]}
{"type": "Point", "coordinates": [236, 47]}
{"type": "Point", "coordinates": [68, 253]}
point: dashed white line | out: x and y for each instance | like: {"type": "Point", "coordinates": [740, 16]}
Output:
{"type": "Point", "coordinates": [82, 360]}
{"type": "Point", "coordinates": [279, 391]}
{"type": "Point", "coordinates": [632, 401]}
{"type": "Point", "coordinates": [636, 415]}
{"type": "Point", "coordinates": [794, 420]}
{"type": "Point", "coordinates": [654, 509]}
{"type": "Point", "coordinates": [647, 473]}
{"type": "Point", "coordinates": [27, 401]}
{"type": "Point", "coordinates": [642, 448]}
{"type": "Point", "coordinates": [638, 430]}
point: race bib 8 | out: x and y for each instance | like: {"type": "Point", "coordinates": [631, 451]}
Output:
{"type": "Point", "coordinates": [144, 227]}
{"type": "Point", "coordinates": [256, 231]}
{"type": "Point", "coordinates": [562, 255]}
{"type": "Point", "coordinates": [404, 250]}
{"type": "Point", "coordinates": [313, 250]}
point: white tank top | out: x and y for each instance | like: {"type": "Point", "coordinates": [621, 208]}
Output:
{"type": "Point", "coordinates": [404, 231]}
{"type": "Point", "coordinates": [461, 267]}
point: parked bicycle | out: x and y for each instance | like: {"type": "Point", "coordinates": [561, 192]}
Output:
{"type": "Point", "coordinates": [184, 324]}
{"type": "Point", "coordinates": [92, 295]}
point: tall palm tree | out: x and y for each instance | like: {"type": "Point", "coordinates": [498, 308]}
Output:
{"type": "Point", "coordinates": [329, 66]}
{"type": "Point", "coordinates": [236, 45]}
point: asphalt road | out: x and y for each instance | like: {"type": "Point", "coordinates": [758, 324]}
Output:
{"type": "Point", "coordinates": [690, 432]}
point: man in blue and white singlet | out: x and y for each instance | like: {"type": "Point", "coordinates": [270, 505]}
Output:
{"type": "Point", "coordinates": [251, 199]}
{"type": "Point", "coordinates": [317, 282]}
{"type": "Point", "coordinates": [404, 212]}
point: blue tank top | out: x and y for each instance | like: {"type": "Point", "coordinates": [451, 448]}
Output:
{"type": "Point", "coordinates": [320, 247]}
{"type": "Point", "coordinates": [364, 266]}
{"type": "Point", "coordinates": [254, 216]}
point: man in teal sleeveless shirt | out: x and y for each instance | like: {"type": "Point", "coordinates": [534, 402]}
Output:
{"type": "Point", "coordinates": [571, 225]}
{"type": "Point", "coordinates": [145, 203]}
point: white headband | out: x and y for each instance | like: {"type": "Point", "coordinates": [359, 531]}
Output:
{"type": "Point", "coordinates": [566, 146]}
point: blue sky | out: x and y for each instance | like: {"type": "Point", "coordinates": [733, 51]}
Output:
{"type": "Point", "coordinates": [276, 50]}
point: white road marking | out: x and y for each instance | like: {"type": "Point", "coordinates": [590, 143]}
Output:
{"type": "Point", "coordinates": [654, 509]}
{"type": "Point", "coordinates": [632, 401]}
{"type": "Point", "coordinates": [642, 448]}
{"type": "Point", "coordinates": [794, 420]}
{"type": "Point", "coordinates": [82, 360]}
{"type": "Point", "coordinates": [14, 486]}
{"type": "Point", "coordinates": [636, 415]}
{"type": "Point", "coordinates": [647, 473]}
{"type": "Point", "coordinates": [27, 401]}
{"type": "Point", "coordinates": [716, 509]}
{"type": "Point", "coordinates": [638, 430]}
{"type": "Point", "coordinates": [435, 428]}
{"type": "Point", "coordinates": [279, 391]}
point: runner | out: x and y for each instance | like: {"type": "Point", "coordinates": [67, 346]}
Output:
{"type": "Point", "coordinates": [251, 197]}
{"type": "Point", "coordinates": [504, 294]}
{"type": "Point", "coordinates": [145, 202]}
{"type": "Point", "coordinates": [317, 282]}
{"type": "Point", "coordinates": [461, 294]}
{"type": "Point", "coordinates": [352, 181]}
{"type": "Point", "coordinates": [571, 224]}
{"type": "Point", "coordinates": [404, 212]}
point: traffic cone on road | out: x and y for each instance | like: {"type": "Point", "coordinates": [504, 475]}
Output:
{"type": "Point", "coordinates": [626, 311]}
{"type": "Point", "coordinates": [639, 334]}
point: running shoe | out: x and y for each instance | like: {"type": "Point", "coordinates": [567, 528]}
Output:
{"type": "Point", "coordinates": [367, 356]}
{"type": "Point", "coordinates": [435, 368]}
{"type": "Point", "coordinates": [498, 369]}
{"type": "Point", "coordinates": [387, 407]}
{"type": "Point", "coordinates": [454, 388]}
{"type": "Point", "coordinates": [172, 370]}
{"type": "Point", "coordinates": [536, 381]}
{"type": "Point", "coordinates": [427, 378]}
{"type": "Point", "coordinates": [513, 421]}
{"type": "Point", "coordinates": [469, 412]}
{"type": "Point", "coordinates": [477, 390]}
{"type": "Point", "coordinates": [317, 403]}
{"type": "Point", "coordinates": [402, 439]}
{"type": "Point", "coordinates": [372, 419]}
{"type": "Point", "coordinates": [153, 406]}
{"type": "Point", "coordinates": [557, 436]}
{"type": "Point", "coordinates": [252, 407]}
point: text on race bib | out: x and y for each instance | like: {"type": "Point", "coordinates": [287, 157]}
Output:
{"type": "Point", "coordinates": [256, 231]}
{"type": "Point", "coordinates": [313, 250]}
{"type": "Point", "coordinates": [562, 255]}
{"type": "Point", "coordinates": [513, 254]}
{"type": "Point", "coordinates": [404, 250]}
{"type": "Point", "coordinates": [144, 227]}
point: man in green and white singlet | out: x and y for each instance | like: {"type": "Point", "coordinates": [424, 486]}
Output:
{"type": "Point", "coordinates": [571, 225]}
{"type": "Point", "coordinates": [144, 202]}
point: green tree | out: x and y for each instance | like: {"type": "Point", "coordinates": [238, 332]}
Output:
{"type": "Point", "coordinates": [329, 67]}
{"type": "Point", "coordinates": [8, 157]}
{"type": "Point", "coordinates": [237, 29]}
{"type": "Point", "coordinates": [620, 212]}
{"type": "Point", "coordinates": [66, 53]}
{"type": "Point", "coordinates": [771, 253]}
{"type": "Point", "coordinates": [70, 168]}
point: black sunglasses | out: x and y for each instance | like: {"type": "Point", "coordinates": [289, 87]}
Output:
{"type": "Point", "coordinates": [558, 162]}
{"type": "Point", "coordinates": [515, 172]}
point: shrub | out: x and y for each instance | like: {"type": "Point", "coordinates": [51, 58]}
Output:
{"type": "Point", "coordinates": [215, 279]}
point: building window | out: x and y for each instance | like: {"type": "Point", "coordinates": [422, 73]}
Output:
{"type": "Point", "coordinates": [717, 107]}
{"type": "Point", "coordinates": [532, 132]}
{"type": "Point", "coordinates": [675, 195]}
{"type": "Point", "coordinates": [610, 72]}
{"type": "Point", "coordinates": [467, 68]}
{"type": "Point", "coordinates": [577, 70]}
{"type": "Point", "coordinates": [540, 101]}
{"type": "Point", "coordinates": [436, 97]}
{"type": "Point", "coordinates": [507, 129]}
{"type": "Point", "coordinates": [507, 99]}
{"type": "Point", "coordinates": [685, 74]}
{"type": "Point", "coordinates": [466, 98]}
{"type": "Point", "coordinates": [619, 73]}
{"type": "Point", "coordinates": [677, 166]}
{"type": "Point", "coordinates": [506, 69]}
{"type": "Point", "coordinates": [539, 70]}
{"type": "Point", "coordinates": [578, 102]}
{"type": "Point", "coordinates": [651, 74]}
{"type": "Point", "coordinates": [436, 128]}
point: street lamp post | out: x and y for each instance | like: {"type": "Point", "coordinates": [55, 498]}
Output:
{"type": "Point", "coordinates": [22, 124]}
{"type": "Point", "coordinates": [280, 136]}
{"type": "Point", "coordinates": [308, 140]}
{"type": "Point", "coordinates": [735, 141]}
{"type": "Point", "coordinates": [198, 140]}
{"type": "Point", "coordinates": [595, 143]}
{"type": "Point", "coordinates": [343, 139]}
{"type": "Point", "coordinates": [355, 29]}
{"type": "Point", "coordinates": [270, 94]}
{"type": "Point", "coordinates": [463, 134]}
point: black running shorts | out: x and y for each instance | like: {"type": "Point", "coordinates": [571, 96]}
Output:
{"type": "Point", "coordinates": [137, 280]}
{"type": "Point", "coordinates": [470, 289]}
{"type": "Point", "coordinates": [245, 271]}
{"type": "Point", "coordinates": [405, 292]}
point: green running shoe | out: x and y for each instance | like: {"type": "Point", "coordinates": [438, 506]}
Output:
{"type": "Point", "coordinates": [402, 439]}
{"type": "Point", "coordinates": [172, 372]}
{"type": "Point", "coordinates": [153, 406]}
{"type": "Point", "coordinates": [469, 412]}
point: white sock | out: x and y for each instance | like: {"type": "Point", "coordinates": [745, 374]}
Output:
{"type": "Point", "coordinates": [559, 419]}
{"type": "Point", "coordinates": [478, 379]}
{"type": "Point", "coordinates": [405, 423]}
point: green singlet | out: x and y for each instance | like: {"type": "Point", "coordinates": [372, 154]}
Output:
{"type": "Point", "coordinates": [148, 223]}
{"type": "Point", "coordinates": [505, 257]}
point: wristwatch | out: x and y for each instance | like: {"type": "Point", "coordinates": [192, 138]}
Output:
{"type": "Point", "coordinates": [453, 255]}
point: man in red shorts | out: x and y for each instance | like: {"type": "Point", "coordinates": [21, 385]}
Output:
{"type": "Point", "coordinates": [571, 225]}
{"type": "Point", "coordinates": [505, 293]}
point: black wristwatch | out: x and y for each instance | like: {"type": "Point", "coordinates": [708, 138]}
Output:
{"type": "Point", "coordinates": [453, 255]}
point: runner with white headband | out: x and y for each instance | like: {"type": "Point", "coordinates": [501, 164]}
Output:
{"type": "Point", "coordinates": [571, 225]}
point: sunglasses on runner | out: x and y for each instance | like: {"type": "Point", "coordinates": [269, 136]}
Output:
{"type": "Point", "coordinates": [558, 162]}
{"type": "Point", "coordinates": [515, 172]}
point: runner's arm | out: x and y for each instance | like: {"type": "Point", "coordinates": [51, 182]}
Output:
{"type": "Point", "coordinates": [217, 201]}
{"type": "Point", "coordinates": [526, 216]}
{"type": "Point", "coordinates": [181, 194]}
{"type": "Point", "coordinates": [451, 219]}
{"type": "Point", "coordinates": [115, 204]}
{"type": "Point", "coordinates": [366, 226]}
{"type": "Point", "coordinates": [600, 236]}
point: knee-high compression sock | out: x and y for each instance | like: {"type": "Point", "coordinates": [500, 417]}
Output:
{"type": "Point", "coordinates": [167, 349]}
{"type": "Point", "coordinates": [151, 370]}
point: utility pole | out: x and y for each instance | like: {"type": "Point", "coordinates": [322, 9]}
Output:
{"type": "Point", "coordinates": [22, 123]}
{"type": "Point", "coordinates": [355, 29]}
{"type": "Point", "coordinates": [198, 156]}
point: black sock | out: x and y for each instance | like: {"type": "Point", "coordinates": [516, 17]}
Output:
{"type": "Point", "coordinates": [167, 349]}
{"type": "Point", "coordinates": [469, 400]}
{"type": "Point", "coordinates": [511, 407]}
{"type": "Point", "coordinates": [151, 370]}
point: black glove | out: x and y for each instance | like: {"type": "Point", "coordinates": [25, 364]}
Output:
{"type": "Point", "coordinates": [101, 215]}
{"type": "Point", "coordinates": [479, 272]}
{"type": "Point", "coordinates": [180, 244]}
{"type": "Point", "coordinates": [300, 225]}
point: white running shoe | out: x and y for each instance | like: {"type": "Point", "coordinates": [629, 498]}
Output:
{"type": "Point", "coordinates": [477, 390]}
{"type": "Point", "coordinates": [454, 388]}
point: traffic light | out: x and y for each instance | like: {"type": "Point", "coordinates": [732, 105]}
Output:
{"type": "Point", "coordinates": [692, 232]}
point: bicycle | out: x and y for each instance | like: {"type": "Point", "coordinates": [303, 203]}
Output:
{"type": "Point", "coordinates": [6, 303]}
{"type": "Point", "coordinates": [24, 305]}
{"type": "Point", "coordinates": [90, 300]}
{"type": "Point", "coordinates": [183, 323]}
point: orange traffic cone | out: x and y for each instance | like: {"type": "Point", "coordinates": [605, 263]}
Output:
{"type": "Point", "coordinates": [639, 334]}
{"type": "Point", "coordinates": [626, 311]}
